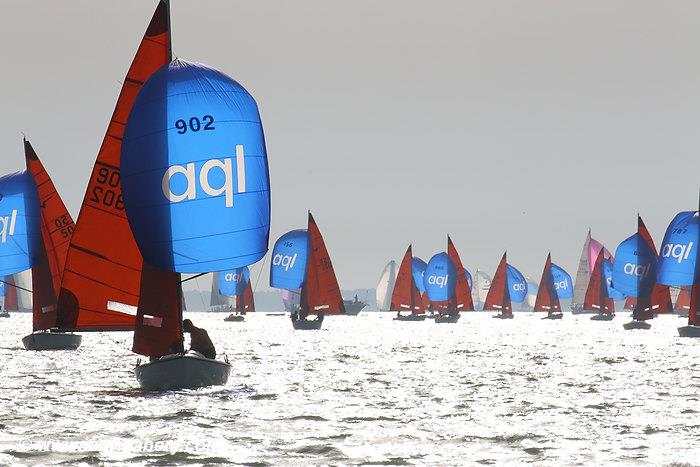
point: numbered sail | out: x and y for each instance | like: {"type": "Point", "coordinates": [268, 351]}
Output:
{"type": "Point", "coordinates": [462, 295]}
{"type": "Point", "coordinates": [498, 297]}
{"type": "Point", "coordinates": [385, 286]}
{"type": "Point", "coordinates": [194, 171]}
{"type": "Point", "coordinates": [547, 295]}
{"type": "Point", "coordinates": [678, 255]}
{"type": "Point", "coordinates": [406, 296]}
{"type": "Point", "coordinates": [103, 266]}
{"type": "Point", "coordinates": [517, 284]}
{"type": "Point", "coordinates": [321, 292]}
{"type": "Point", "coordinates": [597, 298]}
{"type": "Point", "coordinates": [440, 278]}
{"type": "Point", "coordinates": [56, 232]}
{"type": "Point", "coordinates": [289, 259]}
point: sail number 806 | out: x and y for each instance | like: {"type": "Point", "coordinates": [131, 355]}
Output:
{"type": "Point", "coordinates": [195, 124]}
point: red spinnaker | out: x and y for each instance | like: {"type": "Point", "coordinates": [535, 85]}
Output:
{"type": "Point", "coordinates": [597, 298]}
{"type": "Point", "coordinates": [547, 297]}
{"type": "Point", "coordinates": [463, 294]}
{"type": "Point", "coordinates": [104, 263]}
{"type": "Point", "coordinates": [498, 298]}
{"type": "Point", "coordinates": [321, 292]}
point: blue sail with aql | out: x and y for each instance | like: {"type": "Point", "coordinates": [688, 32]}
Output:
{"type": "Point", "coordinates": [562, 282]}
{"type": "Point", "coordinates": [613, 293]}
{"type": "Point", "coordinates": [233, 283]}
{"type": "Point", "coordinates": [517, 285]}
{"type": "Point", "coordinates": [419, 266]}
{"type": "Point", "coordinates": [289, 258]}
{"type": "Point", "coordinates": [20, 233]}
{"type": "Point", "coordinates": [194, 171]}
{"type": "Point", "coordinates": [678, 254]}
{"type": "Point", "coordinates": [634, 268]}
{"type": "Point", "coordinates": [440, 278]}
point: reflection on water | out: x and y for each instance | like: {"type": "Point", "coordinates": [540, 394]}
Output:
{"type": "Point", "coordinates": [367, 389]}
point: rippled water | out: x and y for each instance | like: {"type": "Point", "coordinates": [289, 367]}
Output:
{"type": "Point", "coordinates": [367, 389]}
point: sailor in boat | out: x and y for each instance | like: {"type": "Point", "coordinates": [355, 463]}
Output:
{"type": "Point", "coordinates": [199, 340]}
{"type": "Point", "coordinates": [303, 314]}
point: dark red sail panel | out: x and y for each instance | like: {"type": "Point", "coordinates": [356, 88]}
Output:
{"type": "Point", "coordinates": [660, 300]}
{"type": "Point", "coordinates": [463, 294]}
{"type": "Point", "coordinates": [693, 314]}
{"type": "Point", "coordinates": [104, 263]}
{"type": "Point", "coordinates": [425, 303]}
{"type": "Point", "coordinates": [158, 329]}
{"type": "Point", "coordinates": [683, 299]}
{"type": "Point", "coordinates": [11, 299]}
{"type": "Point", "coordinates": [547, 298]}
{"type": "Point", "coordinates": [246, 302]}
{"type": "Point", "coordinates": [597, 298]}
{"type": "Point", "coordinates": [321, 291]}
{"type": "Point", "coordinates": [498, 298]}
{"type": "Point", "coordinates": [406, 296]}
{"type": "Point", "coordinates": [56, 231]}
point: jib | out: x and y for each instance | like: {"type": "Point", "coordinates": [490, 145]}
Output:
{"type": "Point", "coordinates": [8, 226]}
{"type": "Point", "coordinates": [678, 251]}
{"type": "Point", "coordinates": [284, 261]}
{"type": "Point", "coordinates": [190, 172]}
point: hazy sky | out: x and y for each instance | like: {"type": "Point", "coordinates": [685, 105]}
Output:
{"type": "Point", "coordinates": [509, 124]}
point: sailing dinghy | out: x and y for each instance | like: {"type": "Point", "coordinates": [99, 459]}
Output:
{"type": "Point", "coordinates": [406, 297]}
{"type": "Point", "coordinates": [235, 284]}
{"type": "Point", "coordinates": [678, 265]}
{"type": "Point", "coordinates": [187, 139]}
{"type": "Point", "coordinates": [597, 296]}
{"type": "Point", "coordinates": [498, 298]}
{"type": "Point", "coordinates": [385, 286]}
{"type": "Point", "coordinates": [547, 296]}
{"type": "Point", "coordinates": [440, 280]}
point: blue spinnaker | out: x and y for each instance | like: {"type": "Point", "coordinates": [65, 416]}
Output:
{"type": "Point", "coordinates": [678, 255]}
{"type": "Point", "coordinates": [419, 266]}
{"type": "Point", "coordinates": [613, 293]}
{"type": "Point", "coordinates": [562, 282]}
{"type": "Point", "coordinates": [194, 171]}
{"type": "Point", "coordinates": [469, 278]}
{"type": "Point", "coordinates": [439, 278]}
{"type": "Point", "coordinates": [289, 257]}
{"type": "Point", "coordinates": [234, 282]}
{"type": "Point", "coordinates": [517, 285]}
{"type": "Point", "coordinates": [634, 268]}
{"type": "Point", "coordinates": [20, 233]}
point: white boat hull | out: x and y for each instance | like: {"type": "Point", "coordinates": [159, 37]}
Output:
{"type": "Point", "coordinates": [636, 325]}
{"type": "Point", "coordinates": [189, 371]}
{"type": "Point", "coordinates": [52, 341]}
{"type": "Point", "coordinates": [689, 331]}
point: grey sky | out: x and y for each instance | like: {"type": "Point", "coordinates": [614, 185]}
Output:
{"type": "Point", "coordinates": [509, 124]}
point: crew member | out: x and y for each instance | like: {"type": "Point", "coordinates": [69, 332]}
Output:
{"type": "Point", "coordinates": [199, 340]}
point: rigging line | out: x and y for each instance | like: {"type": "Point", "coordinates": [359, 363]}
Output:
{"type": "Point", "coordinates": [199, 292]}
{"type": "Point", "coordinates": [16, 286]}
{"type": "Point", "coordinates": [193, 277]}
{"type": "Point", "coordinates": [262, 266]}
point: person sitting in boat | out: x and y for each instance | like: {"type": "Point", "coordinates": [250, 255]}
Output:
{"type": "Point", "coordinates": [199, 340]}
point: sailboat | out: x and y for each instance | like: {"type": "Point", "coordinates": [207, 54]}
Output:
{"type": "Point", "coordinates": [406, 297]}
{"type": "Point", "coordinates": [187, 143]}
{"type": "Point", "coordinates": [237, 283]}
{"type": "Point", "coordinates": [498, 298]}
{"type": "Point", "coordinates": [440, 280]}
{"type": "Point", "coordinates": [57, 229]}
{"type": "Point", "coordinates": [597, 296]}
{"type": "Point", "coordinates": [547, 296]}
{"type": "Point", "coordinates": [589, 253]}
{"type": "Point", "coordinates": [217, 300]}
{"type": "Point", "coordinates": [480, 288]}
{"type": "Point", "coordinates": [300, 260]}
{"type": "Point", "coordinates": [461, 298]}
{"type": "Point", "coordinates": [678, 265]}
{"type": "Point", "coordinates": [385, 286]}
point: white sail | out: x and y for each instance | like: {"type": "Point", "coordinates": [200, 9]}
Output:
{"type": "Point", "coordinates": [532, 288]}
{"type": "Point", "coordinates": [23, 281]}
{"type": "Point", "coordinates": [385, 287]}
{"type": "Point", "coordinates": [217, 300]}
{"type": "Point", "coordinates": [583, 275]}
{"type": "Point", "coordinates": [480, 287]}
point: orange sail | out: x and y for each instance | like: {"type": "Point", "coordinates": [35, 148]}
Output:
{"type": "Point", "coordinates": [56, 231]}
{"type": "Point", "coordinates": [660, 300]}
{"type": "Point", "coordinates": [103, 266]}
{"type": "Point", "coordinates": [498, 298]}
{"type": "Point", "coordinates": [547, 297]}
{"type": "Point", "coordinates": [463, 294]}
{"type": "Point", "coordinates": [597, 297]}
{"type": "Point", "coordinates": [693, 314]}
{"type": "Point", "coordinates": [320, 292]}
{"type": "Point", "coordinates": [245, 302]}
{"type": "Point", "coordinates": [406, 296]}
{"type": "Point", "coordinates": [683, 300]}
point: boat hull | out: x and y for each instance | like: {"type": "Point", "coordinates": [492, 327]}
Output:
{"type": "Point", "coordinates": [353, 308]}
{"type": "Point", "coordinates": [682, 313]}
{"type": "Point", "coordinates": [502, 316]}
{"type": "Point", "coordinates": [4, 314]}
{"type": "Point", "coordinates": [234, 318]}
{"type": "Point", "coordinates": [637, 325]}
{"type": "Point", "coordinates": [189, 371]}
{"type": "Point", "coordinates": [602, 317]}
{"type": "Point", "coordinates": [306, 324]}
{"type": "Point", "coordinates": [689, 331]}
{"type": "Point", "coordinates": [409, 318]}
{"type": "Point", "coordinates": [52, 341]}
{"type": "Point", "coordinates": [446, 318]}
{"type": "Point", "coordinates": [554, 316]}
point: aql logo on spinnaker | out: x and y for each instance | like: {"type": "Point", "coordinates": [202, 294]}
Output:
{"type": "Point", "coordinates": [7, 226]}
{"type": "Point", "coordinates": [679, 251]}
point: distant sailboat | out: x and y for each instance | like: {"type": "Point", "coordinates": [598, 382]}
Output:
{"type": "Point", "coordinates": [47, 273]}
{"type": "Point", "coordinates": [406, 296]}
{"type": "Point", "coordinates": [217, 300]}
{"type": "Point", "coordinates": [589, 253]}
{"type": "Point", "coordinates": [597, 297]}
{"type": "Point", "coordinates": [440, 281]}
{"type": "Point", "coordinates": [236, 284]}
{"type": "Point", "coordinates": [498, 298]}
{"type": "Point", "coordinates": [480, 288]}
{"type": "Point", "coordinates": [547, 296]}
{"type": "Point", "coordinates": [385, 286]}
{"type": "Point", "coordinates": [463, 295]}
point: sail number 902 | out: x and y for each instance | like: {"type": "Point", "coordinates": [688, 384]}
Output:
{"type": "Point", "coordinates": [107, 190]}
{"type": "Point", "coordinates": [195, 124]}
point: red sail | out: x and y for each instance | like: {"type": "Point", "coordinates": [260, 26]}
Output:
{"type": "Point", "coordinates": [425, 303]}
{"type": "Point", "coordinates": [320, 293]}
{"type": "Point", "coordinates": [693, 314]}
{"type": "Point", "coordinates": [683, 300]}
{"type": "Point", "coordinates": [498, 298]}
{"type": "Point", "coordinates": [597, 298]}
{"type": "Point", "coordinates": [56, 231]}
{"type": "Point", "coordinates": [463, 294]}
{"type": "Point", "coordinates": [246, 302]}
{"type": "Point", "coordinates": [406, 296]}
{"type": "Point", "coordinates": [547, 297]}
{"type": "Point", "coordinates": [158, 329]}
{"type": "Point", "coordinates": [104, 263]}
{"type": "Point", "coordinates": [660, 301]}
{"type": "Point", "coordinates": [11, 299]}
